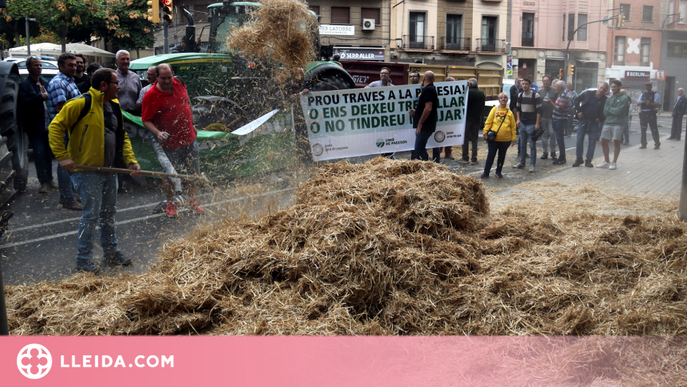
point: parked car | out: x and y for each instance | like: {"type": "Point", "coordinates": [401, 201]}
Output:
{"type": "Point", "coordinates": [50, 69]}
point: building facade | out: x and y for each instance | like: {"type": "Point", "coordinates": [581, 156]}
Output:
{"type": "Point", "coordinates": [357, 29]}
{"type": "Point", "coordinates": [634, 49]}
{"type": "Point", "coordinates": [451, 32]}
{"type": "Point", "coordinates": [542, 31]}
{"type": "Point", "coordinates": [674, 49]}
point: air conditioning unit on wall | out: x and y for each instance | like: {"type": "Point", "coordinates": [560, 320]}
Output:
{"type": "Point", "coordinates": [368, 24]}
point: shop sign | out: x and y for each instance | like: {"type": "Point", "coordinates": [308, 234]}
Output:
{"type": "Point", "coordinates": [328, 29]}
{"type": "Point", "coordinates": [638, 74]}
{"type": "Point", "coordinates": [359, 53]}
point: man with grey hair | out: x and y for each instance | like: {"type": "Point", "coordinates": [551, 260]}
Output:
{"type": "Point", "coordinates": [679, 109]}
{"type": "Point", "coordinates": [129, 82]}
{"type": "Point", "coordinates": [129, 88]}
{"type": "Point", "coordinates": [559, 117]}
{"type": "Point", "coordinates": [473, 122]}
{"type": "Point", "coordinates": [548, 97]}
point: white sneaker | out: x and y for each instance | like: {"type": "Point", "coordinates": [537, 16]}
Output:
{"type": "Point", "coordinates": [612, 166]}
{"type": "Point", "coordinates": [531, 170]}
{"type": "Point", "coordinates": [605, 164]}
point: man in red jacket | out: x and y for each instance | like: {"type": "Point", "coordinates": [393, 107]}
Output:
{"type": "Point", "coordinates": [167, 115]}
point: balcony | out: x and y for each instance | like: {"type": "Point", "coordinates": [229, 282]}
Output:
{"type": "Point", "coordinates": [418, 43]}
{"type": "Point", "coordinates": [455, 44]}
{"type": "Point", "coordinates": [490, 46]}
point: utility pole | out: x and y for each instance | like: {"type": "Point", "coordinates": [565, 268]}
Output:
{"type": "Point", "coordinates": [572, 36]}
{"type": "Point", "coordinates": [28, 43]}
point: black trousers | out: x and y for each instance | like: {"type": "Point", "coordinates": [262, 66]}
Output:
{"type": "Point", "coordinates": [676, 129]}
{"type": "Point", "coordinates": [649, 119]}
{"type": "Point", "coordinates": [471, 135]}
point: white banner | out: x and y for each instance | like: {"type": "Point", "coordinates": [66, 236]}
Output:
{"type": "Point", "coordinates": [328, 29]}
{"type": "Point", "coordinates": [359, 122]}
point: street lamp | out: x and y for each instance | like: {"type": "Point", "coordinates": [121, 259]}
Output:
{"type": "Point", "coordinates": [571, 36]}
{"type": "Point", "coordinates": [28, 43]}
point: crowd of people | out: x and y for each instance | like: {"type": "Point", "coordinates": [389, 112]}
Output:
{"type": "Point", "coordinates": [530, 113]}
{"type": "Point", "coordinates": [77, 119]}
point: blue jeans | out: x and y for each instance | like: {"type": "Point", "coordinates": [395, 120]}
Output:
{"type": "Point", "coordinates": [99, 196]}
{"type": "Point", "coordinates": [526, 132]}
{"type": "Point", "coordinates": [42, 156]}
{"type": "Point", "coordinates": [591, 129]}
{"type": "Point", "coordinates": [421, 147]}
{"type": "Point", "coordinates": [64, 181]}
{"type": "Point", "coordinates": [548, 139]}
{"type": "Point", "coordinates": [559, 127]}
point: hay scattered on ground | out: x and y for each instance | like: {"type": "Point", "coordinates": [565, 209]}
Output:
{"type": "Point", "coordinates": [391, 248]}
{"type": "Point", "coordinates": [281, 31]}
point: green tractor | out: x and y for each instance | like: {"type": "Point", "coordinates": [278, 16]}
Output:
{"type": "Point", "coordinates": [14, 159]}
{"type": "Point", "coordinates": [223, 86]}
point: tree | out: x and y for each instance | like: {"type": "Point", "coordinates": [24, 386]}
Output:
{"type": "Point", "coordinates": [126, 25]}
{"type": "Point", "coordinates": [73, 20]}
{"type": "Point", "coordinates": [15, 17]}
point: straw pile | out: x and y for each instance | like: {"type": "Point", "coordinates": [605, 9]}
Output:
{"type": "Point", "coordinates": [409, 248]}
{"type": "Point", "coordinates": [388, 248]}
{"type": "Point", "coordinates": [281, 31]}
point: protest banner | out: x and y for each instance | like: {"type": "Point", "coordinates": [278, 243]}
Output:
{"type": "Point", "coordinates": [348, 123]}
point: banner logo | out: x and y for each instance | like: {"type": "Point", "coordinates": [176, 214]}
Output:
{"type": "Point", "coordinates": [380, 143]}
{"type": "Point", "coordinates": [34, 361]}
{"type": "Point", "coordinates": [439, 136]}
{"type": "Point", "coordinates": [317, 150]}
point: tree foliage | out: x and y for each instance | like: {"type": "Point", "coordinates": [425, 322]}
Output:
{"type": "Point", "coordinates": [121, 23]}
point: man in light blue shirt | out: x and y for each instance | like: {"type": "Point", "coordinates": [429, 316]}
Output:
{"type": "Point", "coordinates": [385, 79]}
{"type": "Point", "coordinates": [648, 103]}
{"type": "Point", "coordinates": [60, 89]}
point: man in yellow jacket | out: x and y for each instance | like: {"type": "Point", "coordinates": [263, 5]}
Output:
{"type": "Point", "coordinates": [96, 138]}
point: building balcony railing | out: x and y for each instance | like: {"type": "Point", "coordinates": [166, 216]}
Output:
{"type": "Point", "coordinates": [527, 42]}
{"type": "Point", "coordinates": [490, 46]}
{"type": "Point", "coordinates": [455, 44]}
{"type": "Point", "coordinates": [418, 43]}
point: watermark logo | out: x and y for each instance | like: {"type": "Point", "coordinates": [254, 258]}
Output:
{"type": "Point", "coordinates": [380, 142]}
{"type": "Point", "coordinates": [317, 150]}
{"type": "Point", "coordinates": [34, 361]}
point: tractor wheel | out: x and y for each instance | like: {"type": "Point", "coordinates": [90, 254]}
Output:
{"type": "Point", "coordinates": [328, 81]}
{"type": "Point", "coordinates": [17, 140]}
{"type": "Point", "coordinates": [226, 115]}
{"type": "Point", "coordinates": [6, 185]}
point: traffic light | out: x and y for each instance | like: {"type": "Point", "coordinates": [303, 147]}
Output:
{"type": "Point", "coordinates": [619, 22]}
{"type": "Point", "coordinates": [167, 11]}
{"type": "Point", "coordinates": [154, 11]}
{"type": "Point", "coordinates": [560, 73]}
{"type": "Point", "coordinates": [571, 69]}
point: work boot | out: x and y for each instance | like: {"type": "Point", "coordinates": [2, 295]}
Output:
{"type": "Point", "coordinates": [117, 258]}
{"type": "Point", "coordinates": [193, 202]}
{"type": "Point", "coordinates": [45, 188]}
{"type": "Point", "coordinates": [87, 266]}
{"type": "Point", "coordinates": [553, 155]}
{"type": "Point", "coordinates": [578, 162]}
{"type": "Point", "coordinates": [71, 205]}
{"type": "Point", "coordinates": [588, 164]}
{"type": "Point", "coordinates": [545, 156]}
{"type": "Point", "coordinates": [171, 210]}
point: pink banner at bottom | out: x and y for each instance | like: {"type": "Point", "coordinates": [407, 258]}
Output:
{"type": "Point", "coordinates": [342, 361]}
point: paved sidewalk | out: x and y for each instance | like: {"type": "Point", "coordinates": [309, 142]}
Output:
{"type": "Point", "coordinates": [640, 171]}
